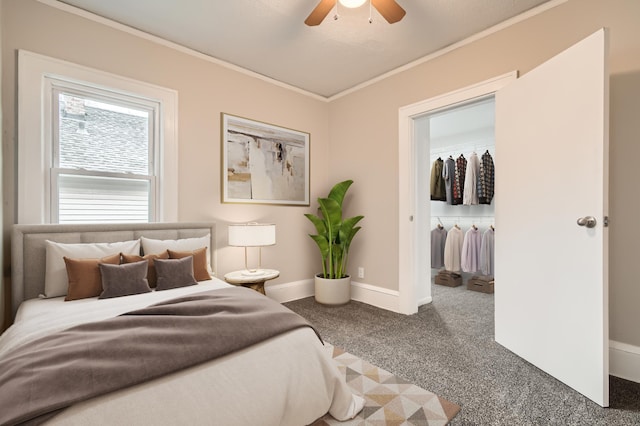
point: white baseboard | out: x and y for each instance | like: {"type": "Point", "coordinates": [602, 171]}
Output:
{"type": "Point", "coordinates": [290, 291]}
{"type": "Point", "coordinates": [425, 300]}
{"type": "Point", "coordinates": [366, 293]}
{"type": "Point", "coordinates": [376, 296]}
{"type": "Point", "coordinates": [624, 361]}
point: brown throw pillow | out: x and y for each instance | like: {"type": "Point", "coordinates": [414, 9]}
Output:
{"type": "Point", "coordinates": [123, 280]}
{"type": "Point", "coordinates": [174, 273]}
{"type": "Point", "coordinates": [84, 276]}
{"type": "Point", "coordinates": [151, 271]}
{"type": "Point", "coordinates": [200, 271]}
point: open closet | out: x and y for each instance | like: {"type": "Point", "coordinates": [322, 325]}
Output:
{"type": "Point", "coordinates": [571, 340]}
{"type": "Point", "coordinates": [461, 188]}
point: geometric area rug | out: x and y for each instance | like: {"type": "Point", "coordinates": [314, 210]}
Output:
{"type": "Point", "coordinates": [389, 400]}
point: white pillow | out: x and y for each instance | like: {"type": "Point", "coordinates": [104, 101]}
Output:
{"type": "Point", "coordinates": [150, 246]}
{"type": "Point", "coordinates": [56, 280]}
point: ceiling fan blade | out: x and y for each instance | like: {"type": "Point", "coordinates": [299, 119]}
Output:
{"type": "Point", "coordinates": [389, 9]}
{"type": "Point", "coordinates": [320, 12]}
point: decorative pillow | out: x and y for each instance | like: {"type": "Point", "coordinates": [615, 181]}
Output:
{"type": "Point", "coordinates": [151, 272]}
{"type": "Point", "coordinates": [56, 279]}
{"type": "Point", "coordinates": [200, 271]}
{"type": "Point", "coordinates": [84, 276]}
{"type": "Point", "coordinates": [174, 273]}
{"type": "Point", "coordinates": [185, 244]}
{"type": "Point", "coordinates": [124, 280]}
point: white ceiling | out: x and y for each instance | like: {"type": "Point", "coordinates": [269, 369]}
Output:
{"type": "Point", "coordinates": [469, 124]}
{"type": "Point", "coordinates": [269, 37]}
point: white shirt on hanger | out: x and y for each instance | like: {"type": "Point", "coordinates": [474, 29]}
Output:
{"type": "Point", "coordinates": [470, 259]}
{"type": "Point", "coordinates": [470, 194]}
{"type": "Point", "coordinates": [453, 249]}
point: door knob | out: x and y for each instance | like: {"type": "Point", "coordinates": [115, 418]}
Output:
{"type": "Point", "coordinates": [588, 221]}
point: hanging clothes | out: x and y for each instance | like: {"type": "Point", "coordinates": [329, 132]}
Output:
{"type": "Point", "coordinates": [470, 195]}
{"type": "Point", "coordinates": [448, 174]}
{"type": "Point", "coordinates": [438, 239]}
{"type": "Point", "coordinates": [437, 185]}
{"type": "Point", "coordinates": [470, 257]}
{"type": "Point", "coordinates": [458, 188]}
{"type": "Point", "coordinates": [453, 249]}
{"type": "Point", "coordinates": [487, 252]}
{"type": "Point", "coordinates": [487, 179]}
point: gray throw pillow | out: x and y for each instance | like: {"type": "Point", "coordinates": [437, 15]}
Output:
{"type": "Point", "coordinates": [124, 280]}
{"type": "Point", "coordinates": [174, 273]}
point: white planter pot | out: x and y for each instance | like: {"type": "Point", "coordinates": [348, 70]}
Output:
{"type": "Point", "coordinates": [333, 291]}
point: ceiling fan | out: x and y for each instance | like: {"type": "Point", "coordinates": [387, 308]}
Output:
{"type": "Point", "coordinates": [389, 9]}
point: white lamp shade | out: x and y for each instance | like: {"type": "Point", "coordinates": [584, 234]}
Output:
{"type": "Point", "coordinates": [352, 3]}
{"type": "Point", "coordinates": [252, 234]}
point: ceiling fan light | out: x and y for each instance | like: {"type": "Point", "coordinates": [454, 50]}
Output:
{"type": "Point", "coordinates": [352, 3]}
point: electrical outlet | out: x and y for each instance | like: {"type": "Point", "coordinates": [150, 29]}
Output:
{"type": "Point", "coordinates": [360, 272]}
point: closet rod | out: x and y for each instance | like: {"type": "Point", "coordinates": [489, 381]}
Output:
{"type": "Point", "coordinates": [464, 148]}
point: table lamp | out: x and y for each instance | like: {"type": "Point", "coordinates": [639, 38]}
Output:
{"type": "Point", "coordinates": [252, 234]}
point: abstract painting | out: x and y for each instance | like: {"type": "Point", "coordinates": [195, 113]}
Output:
{"type": "Point", "coordinates": [263, 163]}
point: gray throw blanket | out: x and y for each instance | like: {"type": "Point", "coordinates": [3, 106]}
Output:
{"type": "Point", "coordinates": [89, 360]}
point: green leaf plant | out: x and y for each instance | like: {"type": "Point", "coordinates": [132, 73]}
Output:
{"type": "Point", "coordinates": [334, 234]}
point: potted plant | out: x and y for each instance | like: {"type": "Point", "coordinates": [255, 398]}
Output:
{"type": "Point", "coordinates": [334, 236]}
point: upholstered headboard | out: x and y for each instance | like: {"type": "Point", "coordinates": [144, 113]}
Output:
{"type": "Point", "coordinates": [28, 248]}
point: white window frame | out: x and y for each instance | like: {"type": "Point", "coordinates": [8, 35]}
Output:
{"type": "Point", "coordinates": [36, 74]}
{"type": "Point", "coordinates": [57, 87]}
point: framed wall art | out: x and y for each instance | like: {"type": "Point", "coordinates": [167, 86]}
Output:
{"type": "Point", "coordinates": [263, 163]}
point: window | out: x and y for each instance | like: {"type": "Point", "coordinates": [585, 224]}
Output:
{"type": "Point", "coordinates": [93, 147]}
{"type": "Point", "coordinates": [103, 158]}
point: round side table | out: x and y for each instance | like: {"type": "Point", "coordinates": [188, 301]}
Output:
{"type": "Point", "coordinates": [253, 281]}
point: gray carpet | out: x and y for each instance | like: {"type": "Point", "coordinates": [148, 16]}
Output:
{"type": "Point", "coordinates": [448, 348]}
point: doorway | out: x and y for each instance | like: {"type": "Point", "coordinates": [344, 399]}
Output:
{"type": "Point", "coordinates": [558, 323]}
{"type": "Point", "coordinates": [461, 140]}
{"type": "Point", "coordinates": [414, 200]}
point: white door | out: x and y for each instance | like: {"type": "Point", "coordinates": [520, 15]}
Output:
{"type": "Point", "coordinates": [551, 281]}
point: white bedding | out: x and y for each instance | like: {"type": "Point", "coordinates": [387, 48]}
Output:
{"type": "Point", "coordinates": [287, 380]}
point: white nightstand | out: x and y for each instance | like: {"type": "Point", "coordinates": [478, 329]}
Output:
{"type": "Point", "coordinates": [253, 281]}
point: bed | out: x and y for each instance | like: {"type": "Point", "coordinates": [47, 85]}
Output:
{"type": "Point", "coordinates": [286, 379]}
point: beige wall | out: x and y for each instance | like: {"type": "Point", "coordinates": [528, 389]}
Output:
{"type": "Point", "coordinates": [205, 90]}
{"type": "Point", "coordinates": [364, 126]}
